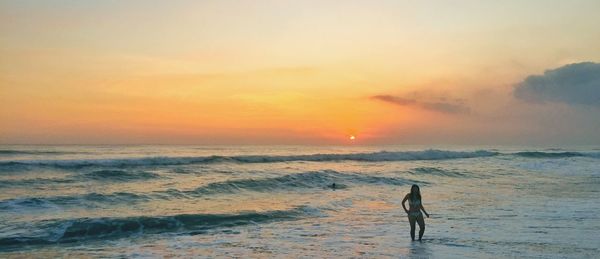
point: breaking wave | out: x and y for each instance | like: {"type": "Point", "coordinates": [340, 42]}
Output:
{"type": "Point", "coordinates": [86, 200]}
{"type": "Point", "coordinates": [539, 154]}
{"type": "Point", "coordinates": [81, 229]}
{"type": "Point", "coordinates": [437, 172]}
{"type": "Point", "coordinates": [35, 181]}
{"type": "Point", "coordinates": [305, 180]}
{"type": "Point", "coordinates": [31, 152]}
{"type": "Point", "coordinates": [119, 175]}
{"type": "Point", "coordinates": [165, 161]}
{"type": "Point", "coordinates": [105, 175]}
{"type": "Point", "coordinates": [296, 182]}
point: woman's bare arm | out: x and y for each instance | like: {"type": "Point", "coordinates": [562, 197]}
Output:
{"type": "Point", "coordinates": [423, 209]}
{"type": "Point", "coordinates": [403, 202]}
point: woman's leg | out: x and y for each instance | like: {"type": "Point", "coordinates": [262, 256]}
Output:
{"type": "Point", "coordinates": [421, 222]}
{"type": "Point", "coordinates": [412, 220]}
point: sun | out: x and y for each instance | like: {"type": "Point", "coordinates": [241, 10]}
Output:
{"type": "Point", "coordinates": [352, 137]}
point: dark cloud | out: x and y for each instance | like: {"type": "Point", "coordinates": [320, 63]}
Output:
{"type": "Point", "coordinates": [438, 106]}
{"type": "Point", "coordinates": [577, 84]}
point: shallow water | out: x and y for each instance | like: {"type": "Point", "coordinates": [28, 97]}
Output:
{"type": "Point", "coordinates": [156, 201]}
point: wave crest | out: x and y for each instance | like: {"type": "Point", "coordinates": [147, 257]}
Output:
{"type": "Point", "coordinates": [119, 175]}
{"type": "Point", "coordinates": [539, 154]}
{"type": "Point", "coordinates": [31, 152]}
{"type": "Point", "coordinates": [319, 179]}
{"type": "Point", "coordinates": [74, 230]}
{"type": "Point", "coordinates": [430, 154]}
{"type": "Point", "coordinates": [295, 182]}
{"type": "Point", "coordinates": [87, 200]}
{"type": "Point", "coordinates": [437, 172]}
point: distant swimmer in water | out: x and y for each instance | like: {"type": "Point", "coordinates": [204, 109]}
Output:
{"type": "Point", "coordinates": [414, 211]}
{"type": "Point", "coordinates": [333, 186]}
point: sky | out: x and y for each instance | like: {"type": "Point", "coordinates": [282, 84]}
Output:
{"type": "Point", "coordinates": [459, 72]}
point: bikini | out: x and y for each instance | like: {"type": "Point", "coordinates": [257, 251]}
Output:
{"type": "Point", "coordinates": [414, 204]}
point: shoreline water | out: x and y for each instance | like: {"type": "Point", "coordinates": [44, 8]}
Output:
{"type": "Point", "coordinates": [275, 201]}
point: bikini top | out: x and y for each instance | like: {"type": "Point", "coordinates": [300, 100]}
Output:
{"type": "Point", "coordinates": [412, 202]}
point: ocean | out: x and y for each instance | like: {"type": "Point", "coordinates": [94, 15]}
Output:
{"type": "Point", "coordinates": [278, 201]}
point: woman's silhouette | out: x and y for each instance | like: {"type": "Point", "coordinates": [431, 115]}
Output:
{"type": "Point", "coordinates": [414, 211]}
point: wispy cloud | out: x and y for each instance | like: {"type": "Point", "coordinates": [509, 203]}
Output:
{"type": "Point", "coordinates": [442, 105]}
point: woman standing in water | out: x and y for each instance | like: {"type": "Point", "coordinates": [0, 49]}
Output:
{"type": "Point", "coordinates": [414, 211]}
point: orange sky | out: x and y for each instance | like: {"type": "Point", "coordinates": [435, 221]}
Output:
{"type": "Point", "coordinates": [288, 72]}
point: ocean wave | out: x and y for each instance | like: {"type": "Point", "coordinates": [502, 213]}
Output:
{"type": "Point", "coordinates": [82, 229]}
{"type": "Point", "coordinates": [430, 154]}
{"type": "Point", "coordinates": [165, 161]}
{"type": "Point", "coordinates": [119, 175]}
{"type": "Point", "coordinates": [437, 172]}
{"type": "Point", "coordinates": [539, 154]}
{"type": "Point", "coordinates": [298, 181]}
{"type": "Point", "coordinates": [34, 181]}
{"type": "Point", "coordinates": [86, 200]}
{"type": "Point", "coordinates": [306, 180]}
{"type": "Point", "coordinates": [31, 152]}
{"type": "Point", "coordinates": [105, 175]}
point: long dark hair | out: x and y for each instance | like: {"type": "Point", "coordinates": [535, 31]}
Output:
{"type": "Point", "coordinates": [415, 195]}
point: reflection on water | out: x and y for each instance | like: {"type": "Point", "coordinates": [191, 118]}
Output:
{"type": "Point", "coordinates": [419, 250]}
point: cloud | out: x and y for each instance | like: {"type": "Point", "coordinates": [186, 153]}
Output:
{"type": "Point", "coordinates": [441, 105]}
{"type": "Point", "coordinates": [574, 84]}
